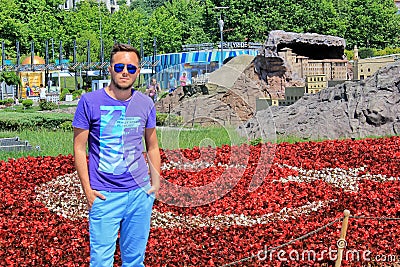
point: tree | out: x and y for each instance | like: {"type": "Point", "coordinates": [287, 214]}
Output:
{"type": "Point", "coordinates": [147, 6]}
{"type": "Point", "coordinates": [190, 22]}
{"type": "Point", "coordinates": [11, 27]}
{"type": "Point", "coordinates": [243, 20]}
{"type": "Point", "coordinates": [367, 23]}
{"type": "Point", "coordinates": [167, 29]}
{"type": "Point", "coordinates": [10, 78]}
{"type": "Point", "coordinates": [371, 23]}
{"type": "Point", "coordinates": [86, 22]}
{"type": "Point", "coordinates": [126, 26]}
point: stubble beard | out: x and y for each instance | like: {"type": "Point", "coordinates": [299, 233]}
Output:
{"type": "Point", "coordinates": [119, 87]}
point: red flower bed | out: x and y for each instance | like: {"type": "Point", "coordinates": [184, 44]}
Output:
{"type": "Point", "coordinates": [306, 186]}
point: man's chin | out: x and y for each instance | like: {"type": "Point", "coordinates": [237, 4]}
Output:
{"type": "Point", "coordinates": [123, 87]}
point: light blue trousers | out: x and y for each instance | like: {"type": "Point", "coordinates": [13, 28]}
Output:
{"type": "Point", "coordinates": [126, 212]}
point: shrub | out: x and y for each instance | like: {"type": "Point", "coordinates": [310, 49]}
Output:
{"type": "Point", "coordinates": [366, 52]}
{"type": "Point", "coordinates": [47, 105]}
{"type": "Point", "coordinates": [162, 95]}
{"type": "Point", "coordinates": [256, 141]}
{"type": "Point", "coordinates": [8, 102]}
{"type": "Point", "coordinates": [77, 93]}
{"type": "Point", "coordinates": [349, 54]}
{"type": "Point", "coordinates": [33, 121]}
{"type": "Point", "coordinates": [64, 92]}
{"type": "Point", "coordinates": [164, 119]}
{"type": "Point", "coordinates": [27, 103]}
{"type": "Point", "coordinates": [66, 126]}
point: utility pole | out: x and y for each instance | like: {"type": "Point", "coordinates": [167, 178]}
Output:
{"type": "Point", "coordinates": [221, 30]}
{"type": "Point", "coordinates": [154, 56]}
{"type": "Point", "coordinates": [101, 44]}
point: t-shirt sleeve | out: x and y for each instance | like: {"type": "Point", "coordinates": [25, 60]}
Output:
{"type": "Point", "coordinates": [81, 117]}
{"type": "Point", "coordinates": [151, 119]}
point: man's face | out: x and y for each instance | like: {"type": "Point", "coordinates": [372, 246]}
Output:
{"type": "Point", "coordinates": [124, 80]}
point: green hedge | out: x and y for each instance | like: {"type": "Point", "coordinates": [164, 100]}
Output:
{"type": "Point", "coordinates": [47, 105]}
{"type": "Point", "coordinates": [6, 101]}
{"type": "Point", "coordinates": [59, 121]}
{"type": "Point", "coordinates": [32, 121]}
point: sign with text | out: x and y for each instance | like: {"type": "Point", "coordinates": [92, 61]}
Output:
{"type": "Point", "coordinates": [226, 45]}
{"type": "Point", "coordinates": [240, 45]}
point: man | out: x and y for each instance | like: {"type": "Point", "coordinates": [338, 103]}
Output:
{"type": "Point", "coordinates": [28, 89]}
{"type": "Point", "coordinates": [42, 92]}
{"type": "Point", "coordinates": [172, 84]}
{"type": "Point", "coordinates": [116, 182]}
{"type": "Point", "coordinates": [183, 79]}
{"type": "Point", "coordinates": [153, 89]}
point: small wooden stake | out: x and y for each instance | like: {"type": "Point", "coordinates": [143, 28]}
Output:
{"type": "Point", "coordinates": [341, 243]}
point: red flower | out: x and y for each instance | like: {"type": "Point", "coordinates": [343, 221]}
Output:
{"type": "Point", "coordinates": [305, 186]}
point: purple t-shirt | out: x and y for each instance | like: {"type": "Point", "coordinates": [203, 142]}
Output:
{"type": "Point", "coordinates": [116, 130]}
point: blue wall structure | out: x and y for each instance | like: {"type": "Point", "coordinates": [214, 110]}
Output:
{"type": "Point", "coordinates": [193, 63]}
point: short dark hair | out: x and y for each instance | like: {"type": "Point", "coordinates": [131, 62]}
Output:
{"type": "Point", "coordinates": [123, 48]}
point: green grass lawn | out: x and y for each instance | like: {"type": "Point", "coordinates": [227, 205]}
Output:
{"type": "Point", "coordinates": [53, 143]}
{"type": "Point", "coordinates": [47, 142]}
{"type": "Point", "coordinates": [174, 138]}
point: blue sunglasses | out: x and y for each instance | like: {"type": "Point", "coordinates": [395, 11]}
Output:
{"type": "Point", "coordinates": [120, 67]}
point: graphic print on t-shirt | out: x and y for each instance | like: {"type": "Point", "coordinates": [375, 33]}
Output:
{"type": "Point", "coordinates": [111, 141]}
{"type": "Point", "coordinates": [131, 134]}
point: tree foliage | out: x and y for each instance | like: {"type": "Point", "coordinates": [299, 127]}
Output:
{"type": "Point", "coordinates": [371, 23]}
{"type": "Point", "coordinates": [365, 23]}
{"type": "Point", "coordinates": [10, 78]}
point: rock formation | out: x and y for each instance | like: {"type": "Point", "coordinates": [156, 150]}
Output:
{"type": "Point", "coordinates": [234, 88]}
{"type": "Point", "coordinates": [349, 110]}
{"type": "Point", "coordinates": [231, 99]}
{"type": "Point", "coordinates": [273, 66]}
{"type": "Point", "coordinates": [312, 45]}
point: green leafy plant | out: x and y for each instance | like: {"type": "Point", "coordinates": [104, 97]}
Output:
{"type": "Point", "coordinates": [366, 52]}
{"type": "Point", "coordinates": [66, 126]}
{"type": "Point", "coordinates": [77, 93]}
{"type": "Point", "coordinates": [47, 105]}
{"type": "Point", "coordinates": [64, 92]}
{"type": "Point", "coordinates": [164, 119]}
{"type": "Point", "coordinates": [10, 78]}
{"type": "Point", "coordinates": [163, 95]}
{"type": "Point", "coordinates": [8, 102]}
{"type": "Point", "coordinates": [256, 141]}
{"type": "Point", "coordinates": [27, 103]}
